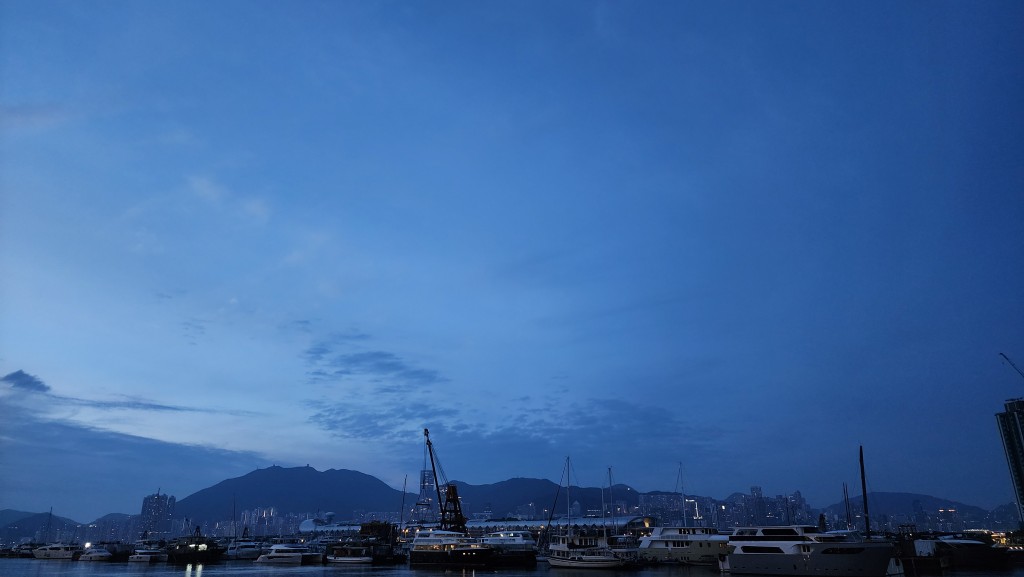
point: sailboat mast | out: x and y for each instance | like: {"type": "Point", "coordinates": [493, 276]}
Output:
{"type": "Point", "coordinates": [846, 501]}
{"type": "Point", "coordinates": [864, 491]}
{"type": "Point", "coordinates": [611, 501]}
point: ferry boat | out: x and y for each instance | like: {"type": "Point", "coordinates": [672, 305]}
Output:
{"type": "Point", "coordinates": [57, 551]}
{"type": "Point", "coordinates": [687, 545]}
{"type": "Point", "coordinates": [804, 550]}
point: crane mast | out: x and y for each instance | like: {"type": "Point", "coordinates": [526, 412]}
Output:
{"type": "Point", "coordinates": [452, 518]}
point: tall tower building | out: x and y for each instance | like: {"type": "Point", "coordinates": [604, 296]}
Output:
{"type": "Point", "coordinates": [426, 510]}
{"type": "Point", "coordinates": [157, 511]}
{"type": "Point", "coordinates": [1011, 429]}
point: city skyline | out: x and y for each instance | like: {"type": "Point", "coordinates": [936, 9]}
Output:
{"type": "Point", "coordinates": [741, 238]}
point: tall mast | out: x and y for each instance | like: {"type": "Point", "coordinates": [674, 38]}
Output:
{"type": "Point", "coordinates": [864, 491]}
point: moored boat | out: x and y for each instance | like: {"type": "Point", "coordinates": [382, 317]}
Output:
{"type": "Point", "coordinates": [512, 548]}
{"type": "Point", "coordinates": [448, 545]}
{"type": "Point", "coordinates": [290, 554]}
{"type": "Point", "coordinates": [350, 554]}
{"type": "Point", "coordinates": [243, 549]}
{"type": "Point", "coordinates": [63, 551]}
{"type": "Point", "coordinates": [804, 550]}
{"type": "Point", "coordinates": [578, 550]}
{"type": "Point", "coordinates": [144, 555]}
{"type": "Point", "coordinates": [195, 549]}
{"type": "Point", "coordinates": [687, 545]}
{"type": "Point", "coordinates": [96, 553]}
{"type": "Point", "coordinates": [449, 549]}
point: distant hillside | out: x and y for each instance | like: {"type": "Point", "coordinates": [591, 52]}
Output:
{"type": "Point", "coordinates": [904, 504]}
{"type": "Point", "coordinates": [8, 516]}
{"type": "Point", "coordinates": [42, 524]}
{"type": "Point", "coordinates": [295, 489]}
{"type": "Point", "coordinates": [343, 492]}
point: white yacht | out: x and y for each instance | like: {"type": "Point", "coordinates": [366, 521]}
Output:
{"type": "Point", "coordinates": [243, 549]}
{"type": "Point", "coordinates": [804, 550]}
{"type": "Point", "coordinates": [290, 554]}
{"type": "Point", "coordinates": [688, 545]}
{"type": "Point", "coordinates": [149, 551]}
{"type": "Point", "coordinates": [96, 553]}
{"type": "Point", "coordinates": [57, 551]}
{"type": "Point", "coordinates": [148, 556]}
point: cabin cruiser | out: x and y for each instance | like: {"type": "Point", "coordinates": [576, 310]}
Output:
{"type": "Point", "coordinates": [290, 554]}
{"type": "Point", "coordinates": [804, 550]}
{"type": "Point", "coordinates": [688, 545]}
{"type": "Point", "coordinates": [57, 551]}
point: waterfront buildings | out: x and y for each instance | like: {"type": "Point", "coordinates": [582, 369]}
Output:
{"type": "Point", "coordinates": [1011, 429]}
{"type": "Point", "coordinates": [157, 513]}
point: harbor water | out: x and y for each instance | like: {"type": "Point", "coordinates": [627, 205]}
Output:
{"type": "Point", "coordinates": [51, 568]}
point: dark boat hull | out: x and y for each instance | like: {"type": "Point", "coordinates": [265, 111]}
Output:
{"type": "Point", "coordinates": [455, 558]}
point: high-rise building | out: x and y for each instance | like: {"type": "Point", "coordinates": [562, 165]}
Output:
{"type": "Point", "coordinates": [426, 509]}
{"type": "Point", "coordinates": [1011, 429]}
{"type": "Point", "coordinates": [157, 511]}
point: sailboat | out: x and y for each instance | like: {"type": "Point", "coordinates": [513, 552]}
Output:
{"type": "Point", "coordinates": [576, 549]}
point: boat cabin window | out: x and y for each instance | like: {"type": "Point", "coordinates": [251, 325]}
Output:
{"type": "Point", "coordinates": [760, 549]}
{"type": "Point", "coordinates": [775, 532]}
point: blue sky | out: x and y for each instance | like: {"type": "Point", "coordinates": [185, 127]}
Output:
{"type": "Point", "coordinates": [746, 237]}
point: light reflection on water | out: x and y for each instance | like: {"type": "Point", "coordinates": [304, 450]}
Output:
{"type": "Point", "coordinates": [51, 568]}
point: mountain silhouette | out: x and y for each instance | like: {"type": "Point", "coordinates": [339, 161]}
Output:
{"type": "Point", "coordinates": [886, 503]}
{"type": "Point", "coordinates": [301, 490]}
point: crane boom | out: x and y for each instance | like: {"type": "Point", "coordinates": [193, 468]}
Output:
{"type": "Point", "coordinates": [1015, 367]}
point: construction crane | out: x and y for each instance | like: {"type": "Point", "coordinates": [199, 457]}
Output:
{"type": "Point", "coordinates": [1015, 367]}
{"type": "Point", "coordinates": [452, 518]}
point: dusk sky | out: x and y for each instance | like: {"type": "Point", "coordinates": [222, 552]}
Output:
{"type": "Point", "coordinates": [747, 237]}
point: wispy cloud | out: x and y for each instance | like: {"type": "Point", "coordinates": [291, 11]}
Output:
{"type": "Point", "coordinates": [20, 380]}
{"type": "Point", "coordinates": [390, 398]}
{"type": "Point", "coordinates": [251, 209]}
{"type": "Point", "coordinates": [394, 420]}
